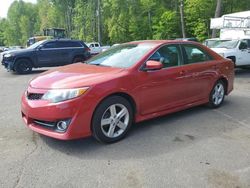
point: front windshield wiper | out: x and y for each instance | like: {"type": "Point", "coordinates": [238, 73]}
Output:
{"type": "Point", "coordinates": [98, 64]}
{"type": "Point", "coordinates": [102, 65]}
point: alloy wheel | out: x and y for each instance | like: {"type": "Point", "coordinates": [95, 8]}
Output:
{"type": "Point", "coordinates": [115, 120]}
{"type": "Point", "coordinates": [218, 94]}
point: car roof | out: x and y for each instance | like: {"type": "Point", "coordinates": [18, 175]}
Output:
{"type": "Point", "coordinates": [160, 42]}
{"type": "Point", "coordinates": [63, 40]}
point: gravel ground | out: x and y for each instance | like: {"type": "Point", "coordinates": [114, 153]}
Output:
{"type": "Point", "coordinates": [198, 147]}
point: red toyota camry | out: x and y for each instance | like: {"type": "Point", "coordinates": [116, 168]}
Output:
{"type": "Point", "coordinates": [129, 83]}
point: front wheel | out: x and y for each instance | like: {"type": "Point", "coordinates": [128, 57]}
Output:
{"type": "Point", "coordinates": [23, 66]}
{"type": "Point", "coordinates": [112, 119]}
{"type": "Point", "coordinates": [217, 94]}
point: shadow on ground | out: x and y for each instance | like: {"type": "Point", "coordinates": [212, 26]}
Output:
{"type": "Point", "coordinates": [150, 138]}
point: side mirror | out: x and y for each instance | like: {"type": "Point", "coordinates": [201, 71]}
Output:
{"type": "Point", "coordinates": [40, 47]}
{"type": "Point", "coordinates": [153, 65]}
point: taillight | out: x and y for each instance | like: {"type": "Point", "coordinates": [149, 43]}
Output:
{"type": "Point", "coordinates": [88, 49]}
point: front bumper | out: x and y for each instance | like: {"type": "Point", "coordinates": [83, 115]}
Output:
{"type": "Point", "coordinates": [79, 112]}
{"type": "Point", "coordinates": [8, 64]}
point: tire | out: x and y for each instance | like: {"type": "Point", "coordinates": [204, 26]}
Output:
{"type": "Point", "coordinates": [217, 95]}
{"type": "Point", "coordinates": [78, 59]}
{"type": "Point", "coordinates": [23, 66]}
{"type": "Point", "coordinates": [107, 125]}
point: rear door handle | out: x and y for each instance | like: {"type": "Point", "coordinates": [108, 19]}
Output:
{"type": "Point", "coordinates": [195, 74]}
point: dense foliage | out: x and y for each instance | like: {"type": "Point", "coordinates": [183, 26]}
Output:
{"type": "Point", "coordinates": [115, 21]}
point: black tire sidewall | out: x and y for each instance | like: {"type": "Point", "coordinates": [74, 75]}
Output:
{"type": "Point", "coordinates": [78, 59]}
{"type": "Point", "coordinates": [211, 102]}
{"type": "Point", "coordinates": [101, 108]}
{"type": "Point", "coordinates": [21, 62]}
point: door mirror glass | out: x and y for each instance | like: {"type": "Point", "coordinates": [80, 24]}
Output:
{"type": "Point", "coordinates": [153, 65]}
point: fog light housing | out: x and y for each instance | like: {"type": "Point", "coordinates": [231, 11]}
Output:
{"type": "Point", "coordinates": [62, 125]}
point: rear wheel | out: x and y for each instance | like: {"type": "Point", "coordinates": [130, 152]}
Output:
{"type": "Point", "coordinates": [112, 119]}
{"type": "Point", "coordinates": [217, 94]}
{"type": "Point", "coordinates": [23, 66]}
{"type": "Point", "coordinates": [78, 59]}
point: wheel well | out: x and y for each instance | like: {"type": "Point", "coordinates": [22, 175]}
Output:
{"type": "Point", "coordinates": [233, 58]}
{"type": "Point", "coordinates": [79, 56]}
{"type": "Point", "coordinates": [224, 80]}
{"type": "Point", "coordinates": [127, 97]}
{"type": "Point", "coordinates": [121, 94]}
{"type": "Point", "coordinates": [26, 59]}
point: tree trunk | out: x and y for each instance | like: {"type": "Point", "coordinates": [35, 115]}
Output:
{"type": "Point", "coordinates": [182, 19]}
{"type": "Point", "coordinates": [216, 15]}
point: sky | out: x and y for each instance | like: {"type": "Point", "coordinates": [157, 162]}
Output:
{"type": "Point", "coordinates": [5, 4]}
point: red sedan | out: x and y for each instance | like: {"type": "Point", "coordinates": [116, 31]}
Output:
{"type": "Point", "coordinates": [129, 83]}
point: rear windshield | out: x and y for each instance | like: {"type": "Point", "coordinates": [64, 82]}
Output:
{"type": "Point", "coordinates": [122, 56]}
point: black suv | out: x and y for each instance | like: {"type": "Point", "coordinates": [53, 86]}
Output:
{"type": "Point", "coordinates": [46, 53]}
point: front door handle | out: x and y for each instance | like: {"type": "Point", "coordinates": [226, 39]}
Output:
{"type": "Point", "coordinates": [183, 72]}
{"type": "Point", "coordinates": [215, 66]}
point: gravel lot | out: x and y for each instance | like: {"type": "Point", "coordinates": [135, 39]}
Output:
{"type": "Point", "coordinates": [198, 147]}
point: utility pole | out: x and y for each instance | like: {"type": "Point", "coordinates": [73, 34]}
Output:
{"type": "Point", "coordinates": [182, 19]}
{"type": "Point", "coordinates": [99, 30]}
{"type": "Point", "coordinates": [216, 15]}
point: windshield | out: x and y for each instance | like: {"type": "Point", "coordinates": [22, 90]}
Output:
{"type": "Point", "coordinates": [122, 56]}
{"type": "Point", "coordinates": [214, 43]}
{"type": "Point", "coordinates": [33, 46]}
{"type": "Point", "coordinates": [228, 44]}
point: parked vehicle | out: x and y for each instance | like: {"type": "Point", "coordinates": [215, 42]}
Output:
{"type": "Point", "coordinates": [235, 31]}
{"type": "Point", "coordinates": [126, 84]}
{"type": "Point", "coordinates": [236, 50]}
{"type": "Point", "coordinates": [188, 39]}
{"type": "Point", "coordinates": [48, 33]}
{"type": "Point", "coordinates": [46, 53]}
{"type": "Point", "coordinates": [232, 26]}
{"type": "Point", "coordinates": [96, 48]}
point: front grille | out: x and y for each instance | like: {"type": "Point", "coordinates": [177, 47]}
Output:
{"type": "Point", "coordinates": [34, 96]}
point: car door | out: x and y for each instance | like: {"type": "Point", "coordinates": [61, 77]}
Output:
{"type": "Point", "coordinates": [163, 89]}
{"type": "Point", "coordinates": [65, 50]}
{"type": "Point", "coordinates": [200, 70]}
{"type": "Point", "coordinates": [48, 55]}
{"type": "Point", "coordinates": [243, 53]}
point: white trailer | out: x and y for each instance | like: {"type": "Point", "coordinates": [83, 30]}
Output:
{"type": "Point", "coordinates": [232, 26]}
{"type": "Point", "coordinates": [235, 36]}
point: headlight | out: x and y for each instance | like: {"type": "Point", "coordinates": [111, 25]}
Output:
{"type": "Point", "coordinates": [58, 95]}
{"type": "Point", "coordinates": [222, 54]}
{"type": "Point", "coordinates": [8, 55]}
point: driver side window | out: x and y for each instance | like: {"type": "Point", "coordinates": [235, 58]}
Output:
{"type": "Point", "coordinates": [243, 45]}
{"type": "Point", "coordinates": [50, 45]}
{"type": "Point", "coordinates": [168, 55]}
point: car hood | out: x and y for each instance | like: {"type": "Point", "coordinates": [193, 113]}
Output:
{"type": "Point", "coordinates": [221, 50]}
{"type": "Point", "coordinates": [74, 76]}
{"type": "Point", "coordinates": [20, 51]}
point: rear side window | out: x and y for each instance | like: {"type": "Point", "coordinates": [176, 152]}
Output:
{"type": "Point", "coordinates": [193, 54]}
{"type": "Point", "coordinates": [68, 44]}
{"type": "Point", "coordinates": [169, 55]}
